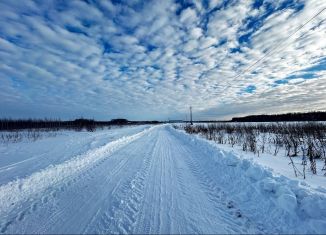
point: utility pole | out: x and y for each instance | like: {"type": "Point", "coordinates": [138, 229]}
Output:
{"type": "Point", "coordinates": [191, 115]}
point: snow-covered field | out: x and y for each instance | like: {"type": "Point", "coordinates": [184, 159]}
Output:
{"type": "Point", "coordinates": [148, 180]}
{"type": "Point", "coordinates": [274, 150]}
{"type": "Point", "coordinates": [280, 164]}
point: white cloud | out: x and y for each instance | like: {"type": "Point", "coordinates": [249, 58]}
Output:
{"type": "Point", "coordinates": [188, 17]}
{"type": "Point", "coordinates": [144, 61]}
{"type": "Point", "coordinates": [196, 33]}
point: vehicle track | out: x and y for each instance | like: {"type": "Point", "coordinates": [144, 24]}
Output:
{"type": "Point", "coordinates": [47, 198]}
{"type": "Point", "coordinates": [154, 184]}
{"type": "Point", "coordinates": [121, 216]}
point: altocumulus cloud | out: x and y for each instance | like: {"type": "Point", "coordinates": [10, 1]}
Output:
{"type": "Point", "coordinates": [152, 59]}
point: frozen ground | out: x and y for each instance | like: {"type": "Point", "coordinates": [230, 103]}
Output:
{"type": "Point", "coordinates": [147, 180]}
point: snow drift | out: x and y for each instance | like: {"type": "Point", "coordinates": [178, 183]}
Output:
{"type": "Point", "coordinates": [281, 205]}
{"type": "Point", "coordinates": [22, 189]}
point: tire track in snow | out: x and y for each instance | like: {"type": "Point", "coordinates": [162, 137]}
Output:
{"type": "Point", "coordinates": [99, 198]}
{"type": "Point", "coordinates": [162, 210]}
{"type": "Point", "coordinates": [227, 211]}
{"type": "Point", "coordinates": [120, 214]}
{"type": "Point", "coordinates": [159, 183]}
{"type": "Point", "coordinates": [177, 171]}
{"type": "Point", "coordinates": [125, 213]}
{"type": "Point", "coordinates": [54, 217]}
{"type": "Point", "coordinates": [152, 203]}
{"type": "Point", "coordinates": [234, 219]}
{"type": "Point", "coordinates": [175, 188]}
{"type": "Point", "coordinates": [49, 196]}
{"type": "Point", "coordinates": [15, 194]}
{"type": "Point", "coordinates": [121, 217]}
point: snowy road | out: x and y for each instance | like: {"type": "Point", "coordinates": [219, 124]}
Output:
{"type": "Point", "coordinates": [150, 182]}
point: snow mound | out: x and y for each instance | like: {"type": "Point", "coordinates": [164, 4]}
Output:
{"type": "Point", "coordinates": [280, 204]}
{"type": "Point", "coordinates": [23, 189]}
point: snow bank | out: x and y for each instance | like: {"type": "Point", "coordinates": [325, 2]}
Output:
{"type": "Point", "coordinates": [280, 204]}
{"type": "Point", "coordinates": [24, 158]}
{"type": "Point", "coordinates": [23, 189]}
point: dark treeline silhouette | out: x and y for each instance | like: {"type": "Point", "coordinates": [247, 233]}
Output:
{"type": "Point", "coordinates": [288, 117]}
{"type": "Point", "coordinates": [56, 124]}
{"type": "Point", "coordinates": [208, 121]}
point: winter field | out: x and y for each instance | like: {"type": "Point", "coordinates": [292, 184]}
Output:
{"type": "Point", "coordinates": [157, 179]}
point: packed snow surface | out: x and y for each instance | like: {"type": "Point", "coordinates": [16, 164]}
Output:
{"type": "Point", "coordinates": [147, 180]}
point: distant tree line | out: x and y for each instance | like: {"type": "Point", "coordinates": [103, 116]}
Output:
{"type": "Point", "coordinates": [56, 124]}
{"type": "Point", "coordinates": [288, 117]}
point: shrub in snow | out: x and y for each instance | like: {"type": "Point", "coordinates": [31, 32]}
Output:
{"type": "Point", "coordinates": [307, 140]}
{"type": "Point", "coordinates": [281, 204]}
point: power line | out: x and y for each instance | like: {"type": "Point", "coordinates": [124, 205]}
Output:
{"type": "Point", "coordinates": [275, 47]}
{"type": "Point", "coordinates": [271, 50]}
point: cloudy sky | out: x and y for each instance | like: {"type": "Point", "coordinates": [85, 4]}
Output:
{"type": "Point", "coordinates": [153, 59]}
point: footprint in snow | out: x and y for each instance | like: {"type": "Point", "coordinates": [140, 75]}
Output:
{"type": "Point", "coordinates": [4, 228]}
{"type": "Point", "coordinates": [21, 216]}
{"type": "Point", "coordinates": [238, 214]}
{"type": "Point", "coordinates": [45, 199]}
{"type": "Point", "coordinates": [230, 205]}
{"type": "Point", "coordinates": [34, 207]}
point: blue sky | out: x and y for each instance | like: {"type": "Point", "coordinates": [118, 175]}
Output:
{"type": "Point", "coordinates": [153, 59]}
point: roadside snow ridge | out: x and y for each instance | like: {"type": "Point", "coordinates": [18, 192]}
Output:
{"type": "Point", "coordinates": [24, 189]}
{"type": "Point", "coordinates": [160, 181]}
